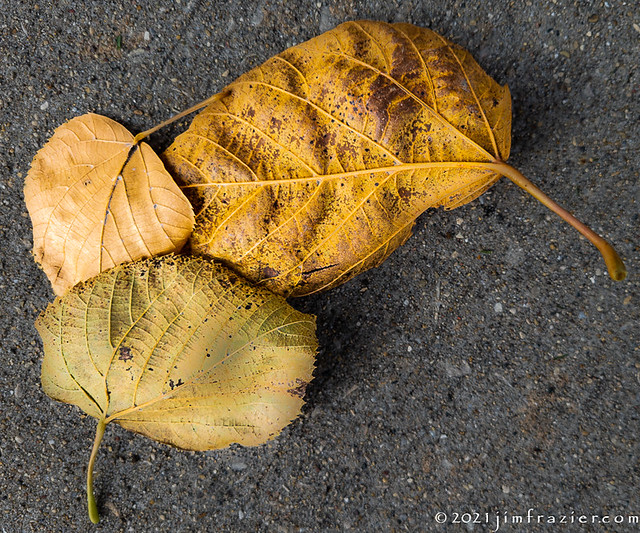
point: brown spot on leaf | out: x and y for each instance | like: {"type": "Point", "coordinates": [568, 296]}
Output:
{"type": "Point", "coordinates": [405, 193]}
{"type": "Point", "coordinates": [276, 123]}
{"type": "Point", "coordinates": [300, 389]}
{"type": "Point", "coordinates": [269, 272]}
{"type": "Point", "coordinates": [125, 353]}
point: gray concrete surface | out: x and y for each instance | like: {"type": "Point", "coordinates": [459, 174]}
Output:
{"type": "Point", "coordinates": [489, 366]}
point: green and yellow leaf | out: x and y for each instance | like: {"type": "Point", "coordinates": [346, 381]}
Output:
{"type": "Point", "coordinates": [178, 349]}
{"type": "Point", "coordinates": [181, 350]}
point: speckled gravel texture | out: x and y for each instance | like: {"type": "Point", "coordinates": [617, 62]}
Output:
{"type": "Point", "coordinates": [489, 366]}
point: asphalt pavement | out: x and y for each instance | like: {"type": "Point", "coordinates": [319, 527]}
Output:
{"type": "Point", "coordinates": [488, 370]}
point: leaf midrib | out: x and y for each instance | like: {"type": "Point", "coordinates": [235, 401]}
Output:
{"type": "Point", "coordinates": [354, 173]}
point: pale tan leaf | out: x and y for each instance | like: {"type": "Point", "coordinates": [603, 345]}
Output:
{"type": "Point", "coordinates": [97, 199]}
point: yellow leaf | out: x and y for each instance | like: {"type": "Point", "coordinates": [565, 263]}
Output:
{"type": "Point", "coordinates": [97, 199]}
{"type": "Point", "coordinates": [181, 350]}
{"type": "Point", "coordinates": [315, 165]}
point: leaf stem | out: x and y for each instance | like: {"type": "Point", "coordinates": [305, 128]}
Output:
{"type": "Point", "coordinates": [615, 266]}
{"type": "Point", "coordinates": [200, 105]}
{"type": "Point", "coordinates": [91, 501]}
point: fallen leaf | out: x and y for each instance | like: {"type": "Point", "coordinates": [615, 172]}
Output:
{"type": "Point", "coordinates": [181, 350]}
{"type": "Point", "coordinates": [317, 163]}
{"type": "Point", "coordinates": [97, 199]}
{"type": "Point", "coordinates": [314, 166]}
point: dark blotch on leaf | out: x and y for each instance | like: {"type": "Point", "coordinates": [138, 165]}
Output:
{"type": "Point", "coordinates": [269, 272]}
{"type": "Point", "coordinates": [125, 353]}
{"type": "Point", "coordinates": [300, 389]}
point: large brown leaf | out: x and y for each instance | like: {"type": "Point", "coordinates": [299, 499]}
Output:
{"type": "Point", "coordinates": [97, 199]}
{"type": "Point", "coordinates": [315, 165]}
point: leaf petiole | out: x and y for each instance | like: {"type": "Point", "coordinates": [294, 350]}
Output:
{"type": "Point", "coordinates": [200, 105]}
{"type": "Point", "coordinates": [615, 266]}
{"type": "Point", "coordinates": [91, 501]}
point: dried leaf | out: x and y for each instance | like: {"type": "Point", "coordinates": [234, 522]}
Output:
{"type": "Point", "coordinates": [181, 350]}
{"type": "Point", "coordinates": [97, 199]}
{"type": "Point", "coordinates": [317, 163]}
